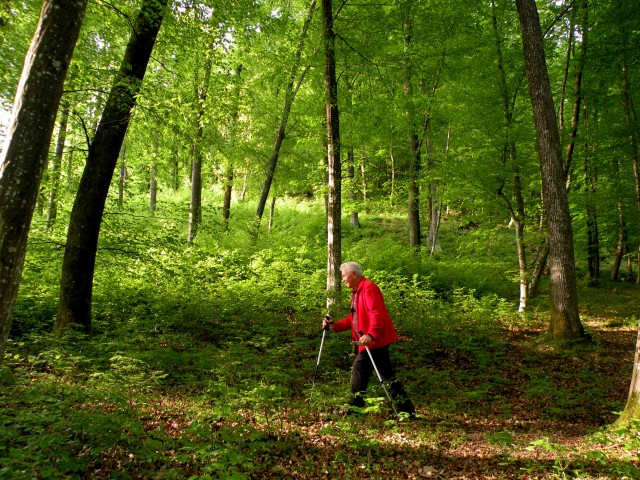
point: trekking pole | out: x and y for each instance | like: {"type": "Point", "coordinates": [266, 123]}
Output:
{"type": "Point", "coordinates": [375, 367]}
{"type": "Point", "coordinates": [324, 331]}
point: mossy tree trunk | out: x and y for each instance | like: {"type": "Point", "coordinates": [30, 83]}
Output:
{"type": "Point", "coordinates": [86, 216]}
{"type": "Point", "coordinates": [24, 155]}
{"type": "Point", "coordinates": [564, 319]}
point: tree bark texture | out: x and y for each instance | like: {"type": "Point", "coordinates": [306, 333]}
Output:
{"type": "Point", "coordinates": [565, 320]}
{"type": "Point", "coordinates": [24, 156]}
{"type": "Point", "coordinates": [86, 216]}
{"type": "Point", "coordinates": [334, 200]}
{"type": "Point", "coordinates": [632, 409]}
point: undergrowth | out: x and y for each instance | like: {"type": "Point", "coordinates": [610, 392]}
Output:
{"type": "Point", "coordinates": [202, 364]}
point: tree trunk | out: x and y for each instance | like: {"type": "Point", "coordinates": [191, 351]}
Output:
{"type": "Point", "coordinates": [175, 179]}
{"type": "Point", "coordinates": [539, 269]}
{"type": "Point", "coordinates": [413, 145]}
{"type": "Point", "coordinates": [593, 235]}
{"type": "Point", "coordinates": [632, 125]}
{"type": "Point", "coordinates": [153, 180]}
{"type": "Point", "coordinates": [515, 206]}
{"type": "Point", "coordinates": [122, 177]}
{"type": "Point", "coordinates": [56, 166]}
{"type": "Point", "coordinates": [272, 210]}
{"type": "Point", "coordinates": [228, 176]}
{"type": "Point", "coordinates": [24, 155]}
{"type": "Point", "coordinates": [565, 320]}
{"type": "Point", "coordinates": [632, 409]}
{"type": "Point", "coordinates": [334, 203]}
{"type": "Point", "coordinates": [621, 246]}
{"type": "Point", "coordinates": [354, 220]}
{"type": "Point", "coordinates": [86, 216]}
{"type": "Point", "coordinates": [290, 94]}
{"type": "Point", "coordinates": [195, 200]}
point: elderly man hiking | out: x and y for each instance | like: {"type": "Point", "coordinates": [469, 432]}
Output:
{"type": "Point", "coordinates": [373, 332]}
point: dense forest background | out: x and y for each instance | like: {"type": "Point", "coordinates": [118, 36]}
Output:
{"type": "Point", "coordinates": [196, 355]}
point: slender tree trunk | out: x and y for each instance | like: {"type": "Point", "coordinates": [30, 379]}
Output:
{"type": "Point", "coordinates": [577, 101]}
{"type": "Point", "coordinates": [565, 320]}
{"type": "Point", "coordinates": [56, 166]}
{"type": "Point", "coordinates": [334, 205]}
{"type": "Point", "coordinates": [24, 155]}
{"type": "Point", "coordinates": [86, 216]}
{"type": "Point", "coordinates": [289, 96]}
{"type": "Point", "coordinates": [593, 235]}
{"type": "Point", "coordinates": [228, 176]}
{"type": "Point", "coordinates": [355, 221]}
{"type": "Point", "coordinates": [195, 200]}
{"type": "Point", "coordinates": [413, 145]}
{"type": "Point", "coordinates": [153, 183]}
{"type": "Point", "coordinates": [392, 189]}
{"type": "Point", "coordinates": [539, 269]}
{"type": "Point", "coordinates": [515, 206]}
{"type": "Point", "coordinates": [272, 210]}
{"type": "Point", "coordinates": [632, 125]}
{"type": "Point", "coordinates": [69, 183]}
{"type": "Point", "coordinates": [226, 199]}
{"type": "Point", "coordinates": [243, 193]}
{"type": "Point", "coordinates": [621, 246]}
{"type": "Point", "coordinates": [175, 176]}
{"type": "Point", "coordinates": [122, 177]}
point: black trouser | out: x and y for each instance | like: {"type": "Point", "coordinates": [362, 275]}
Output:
{"type": "Point", "coordinates": [361, 373]}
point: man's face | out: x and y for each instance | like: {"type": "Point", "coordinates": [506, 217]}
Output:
{"type": "Point", "coordinates": [350, 279]}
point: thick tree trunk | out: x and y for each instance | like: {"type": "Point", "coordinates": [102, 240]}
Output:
{"type": "Point", "coordinates": [334, 201]}
{"type": "Point", "coordinates": [56, 166]}
{"type": "Point", "coordinates": [565, 320]}
{"type": "Point", "coordinates": [82, 239]}
{"type": "Point", "coordinates": [289, 96]}
{"type": "Point", "coordinates": [24, 155]}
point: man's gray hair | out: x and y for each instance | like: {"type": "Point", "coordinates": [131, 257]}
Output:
{"type": "Point", "coordinates": [351, 267]}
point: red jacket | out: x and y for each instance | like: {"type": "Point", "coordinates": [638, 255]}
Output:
{"type": "Point", "coordinates": [372, 314]}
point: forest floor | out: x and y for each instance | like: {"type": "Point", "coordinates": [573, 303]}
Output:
{"type": "Point", "coordinates": [499, 404]}
{"type": "Point", "coordinates": [506, 436]}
